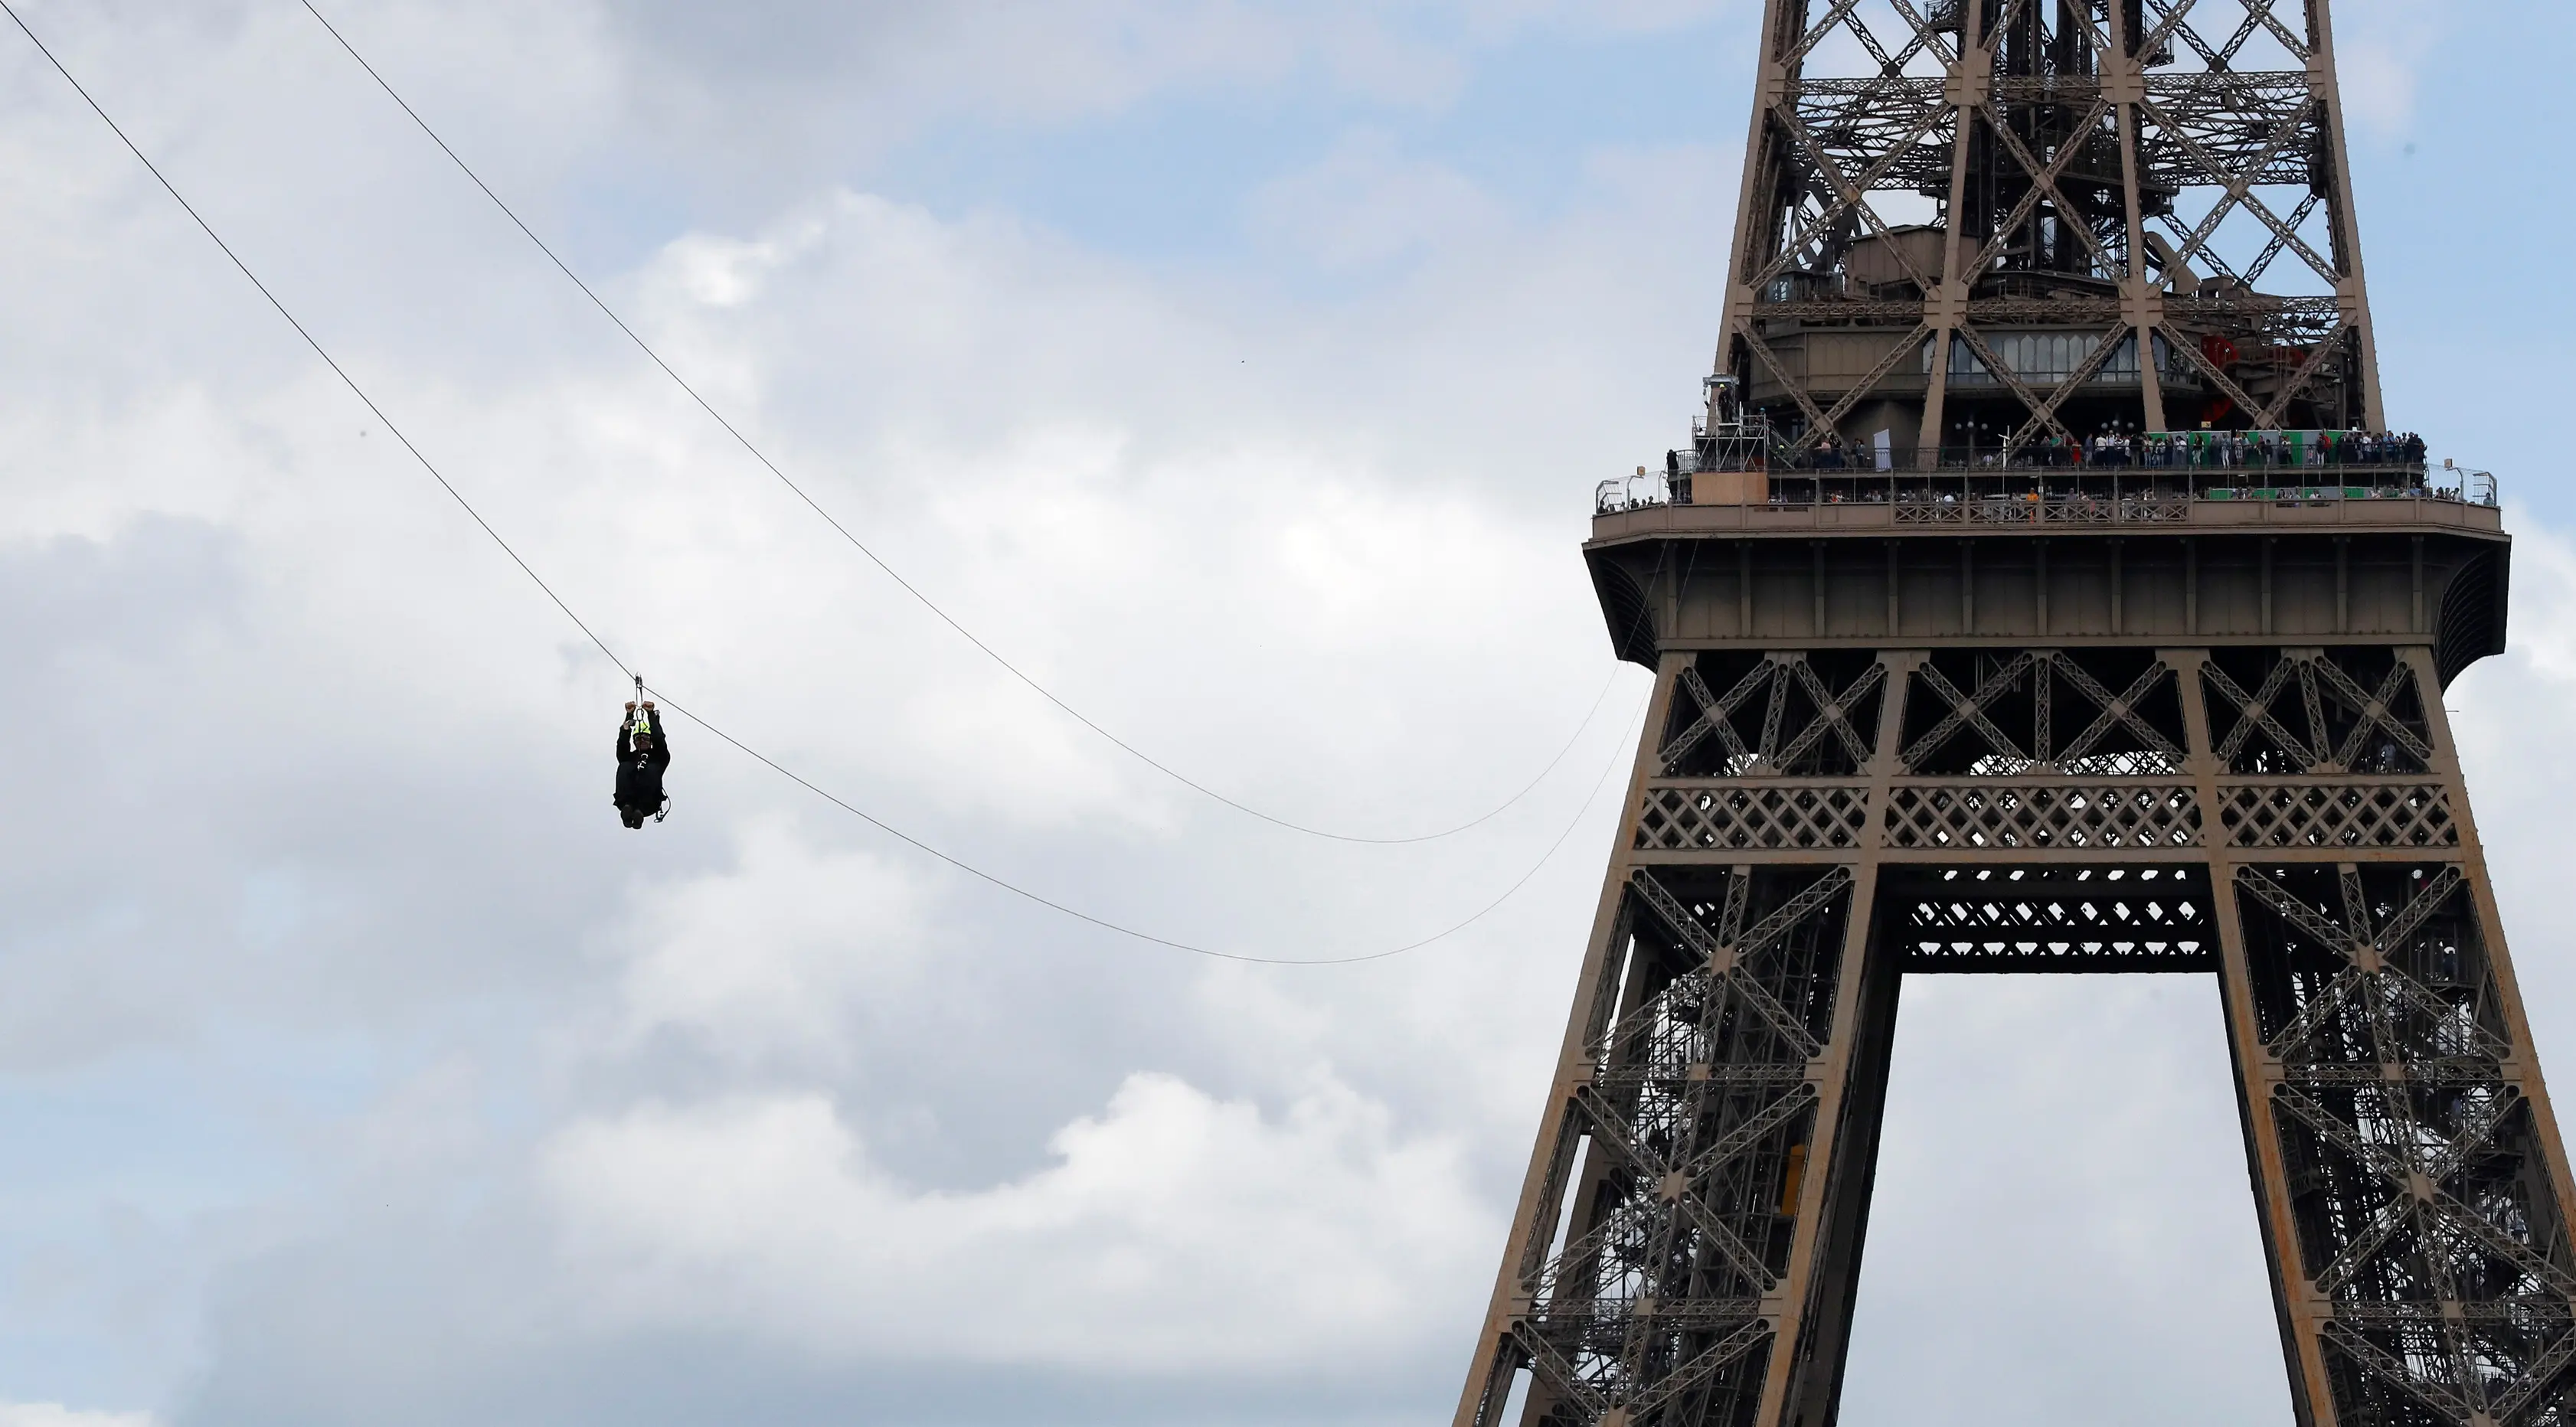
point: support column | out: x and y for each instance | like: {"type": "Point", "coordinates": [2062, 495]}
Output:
{"type": "Point", "coordinates": [2141, 302]}
{"type": "Point", "coordinates": [2294, 1303]}
{"type": "Point", "coordinates": [1971, 78]}
{"type": "Point", "coordinates": [1815, 1297]}
{"type": "Point", "coordinates": [1686, 1248]}
{"type": "Point", "coordinates": [2410, 1176]}
{"type": "Point", "coordinates": [1489, 1376]}
{"type": "Point", "coordinates": [2522, 1067]}
{"type": "Point", "coordinates": [2352, 294]}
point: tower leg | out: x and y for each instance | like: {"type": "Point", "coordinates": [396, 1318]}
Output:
{"type": "Point", "coordinates": [1687, 1249]}
{"type": "Point", "coordinates": [1687, 1244]}
{"type": "Point", "coordinates": [1560, 1152]}
{"type": "Point", "coordinates": [2408, 1172]}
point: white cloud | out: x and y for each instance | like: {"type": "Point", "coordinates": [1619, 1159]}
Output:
{"type": "Point", "coordinates": [1366, 204]}
{"type": "Point", "coordinates": [776, 1080]}
{"type": "Point", "coordinates": [1214, 515]}
{"type": "Point", "coordinates": [2544, 602]}
{"type": "Point", "coordinates": [769, 959]}
{"type": "Point", "coordinates": [1172, 1232]}
{"type": "Point", "coordinates": [2381, 51]}
{"type": "Point", "coordinates": [53, 1414]}
{"type": "Point", "coordinates": [2511, 719]}
{"type": "Point", "coordinates": [888, 68]}
{"type": "Point", "coordinates": [2062, 1164]}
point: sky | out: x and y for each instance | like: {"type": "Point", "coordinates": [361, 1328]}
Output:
{"type": "Point", "coordinates": [1239, 369]}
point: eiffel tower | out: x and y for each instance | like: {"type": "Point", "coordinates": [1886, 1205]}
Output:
{"type": "Point", "coordinates": [2041, 590]}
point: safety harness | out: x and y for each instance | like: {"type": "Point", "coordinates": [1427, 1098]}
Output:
{"type": "Point", "coordinates": [642, 728]}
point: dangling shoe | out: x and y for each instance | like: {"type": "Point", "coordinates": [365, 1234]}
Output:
{"type": "Point", "coordinates": [664, 812]}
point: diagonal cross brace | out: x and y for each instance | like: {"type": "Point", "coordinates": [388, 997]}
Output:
{"type": "Point", "coordinates": [2043, 184]}
{"type": "Point", "coordinates": [1791, 381]}
{"type": "Point", "coordinates": [2045, 414]}
{"type": "Point", "coordinates": [1833, 713]}
{"type": "Point", "coordinates": [2118, 710]}
{"type": "Point", "coordinates": [1711, 949]}
{"type": "Point", "coordinates": [1753, 1131]}
{"type": "Point", "coordinates": [2448, 1211]}
{"type": "Point", "coordinates": [2539, 1377]}
{"type": "Point", "coordinates": [2239, 185]}
{"type": "Point", "coordinates": [1703, 1365]}
{"type": "Point", "coordinates": [2382, 1364]}
{"type": "Point", "coordinates": [2041, 410]}
{"type": "Point", "coordinates": [1716, 716]}
{"type": "Point", "coordinates": [1557, 1371]}
{"type": "Point", "coordinates": [2303, 378]}
{"type": "Point", "coordinates": [2176, 340]}
{"type": "Point", "coordinates": [1688, 927]}
{"type": "Point", "coordinates": [1969, 711]}
{"type": "Point", "coordinates": [1868, 382]}
{"type": "Point", "coordinates": [2377, 711]}
{"type": "Point", "coordinates": [1850, 197]}
{"type": "Point", "coordinates": [2390, 1217]}
{"type": "Point", "coordinates": [1612, 1131]}
{"type": "Point", "coordinates": [2328, 1003]}
{"type": "Point", "coordinates": [2254, 711]}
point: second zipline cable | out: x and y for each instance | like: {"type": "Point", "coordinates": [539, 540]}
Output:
{"type": "Point", "coordinates": [1081, 916]}
{"type": "Point", "coordinates": [890, 572]}
{"type": "Point", "coordinates": [592, 635]}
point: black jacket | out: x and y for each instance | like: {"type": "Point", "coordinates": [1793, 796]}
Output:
{"type": "Point", "coordinates": [639, 778]}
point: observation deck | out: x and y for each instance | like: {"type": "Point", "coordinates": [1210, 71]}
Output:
{"type": "Point", "coordinates": [2230, 551]}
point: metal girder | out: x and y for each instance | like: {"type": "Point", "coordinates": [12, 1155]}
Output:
{"type": "Point", "coordinates": [2046, 136]}
{"type": "Point", "coordinates": [2255, 711]}
{"type": "Point", "coordinates": [1968, 711]}
{"type": "Point", "coordinates": [2118, 710]}
{"type": "Point", "coordinates": [2264, 789]}
{"type": "Point", "coordinates": [1825, 719]}
{"type": "Point", "coordinates": [2040, 673]}
{"type": "Point", "coordinates": [2405, 1158]}
{"type": "Point", "coordinates": [2325, 691]}
{"type": "Point", "coordinates": [1695, 1104]}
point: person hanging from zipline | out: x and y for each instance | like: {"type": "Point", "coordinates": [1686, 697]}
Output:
{"type": "Point", "coordinates": [642, 754]}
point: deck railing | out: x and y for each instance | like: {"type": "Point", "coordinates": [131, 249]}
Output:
{"type": "Point", "coordinates": [2282, 453]}
{"type": "Point", "coordinates": [1917, 502]}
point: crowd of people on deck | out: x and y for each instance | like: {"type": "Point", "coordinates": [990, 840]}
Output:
{"type": "Point", "coordinates": [2112, 450]}
{"type": "Point", "coordinates": [2300, 464]}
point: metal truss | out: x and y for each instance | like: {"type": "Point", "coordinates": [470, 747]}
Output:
{"type": "Point", "coordinates": [1928, 186]}
{"type": "Point", "coordinates": [2064, 717]}
{"type": "Point", "coordinates": [2318, 713]}
{"type": "Point", "coordinates": [1777, 716]}
{"type": "Point", "coordinates": [1812, 825]}
{"type": "Point", "coordinates": [2032, 730]}
{"type": "Point", "coordinates": [2425, 1213]}
{"type": "Point", "coordinates": [1681, 1150]}
{"type": "Point", "coordinates": [2054, 918]}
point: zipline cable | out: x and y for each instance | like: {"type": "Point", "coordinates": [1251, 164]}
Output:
{"type": "Point", "coordinates": [307, 336]}
{"type": "Point", "coordinates": [1106, 925]}
{"type": "Point", "coordinates": [593, 635]}
{"type": "Point", "coordinates": [890, 572]}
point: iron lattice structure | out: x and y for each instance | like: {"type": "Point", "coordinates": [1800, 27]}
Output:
{"type": "Point", "coordinates": [2067, 720]}
{"type": "Point", "coordinates": [1964, 221]}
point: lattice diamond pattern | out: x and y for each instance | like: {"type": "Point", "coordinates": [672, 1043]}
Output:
{"type": "Point", "coordinates": [1681, 817]}
{"type": "Point", "coordinates": [1961, 816]}
{"type": "Point", "coordinates": [2339, 815]}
